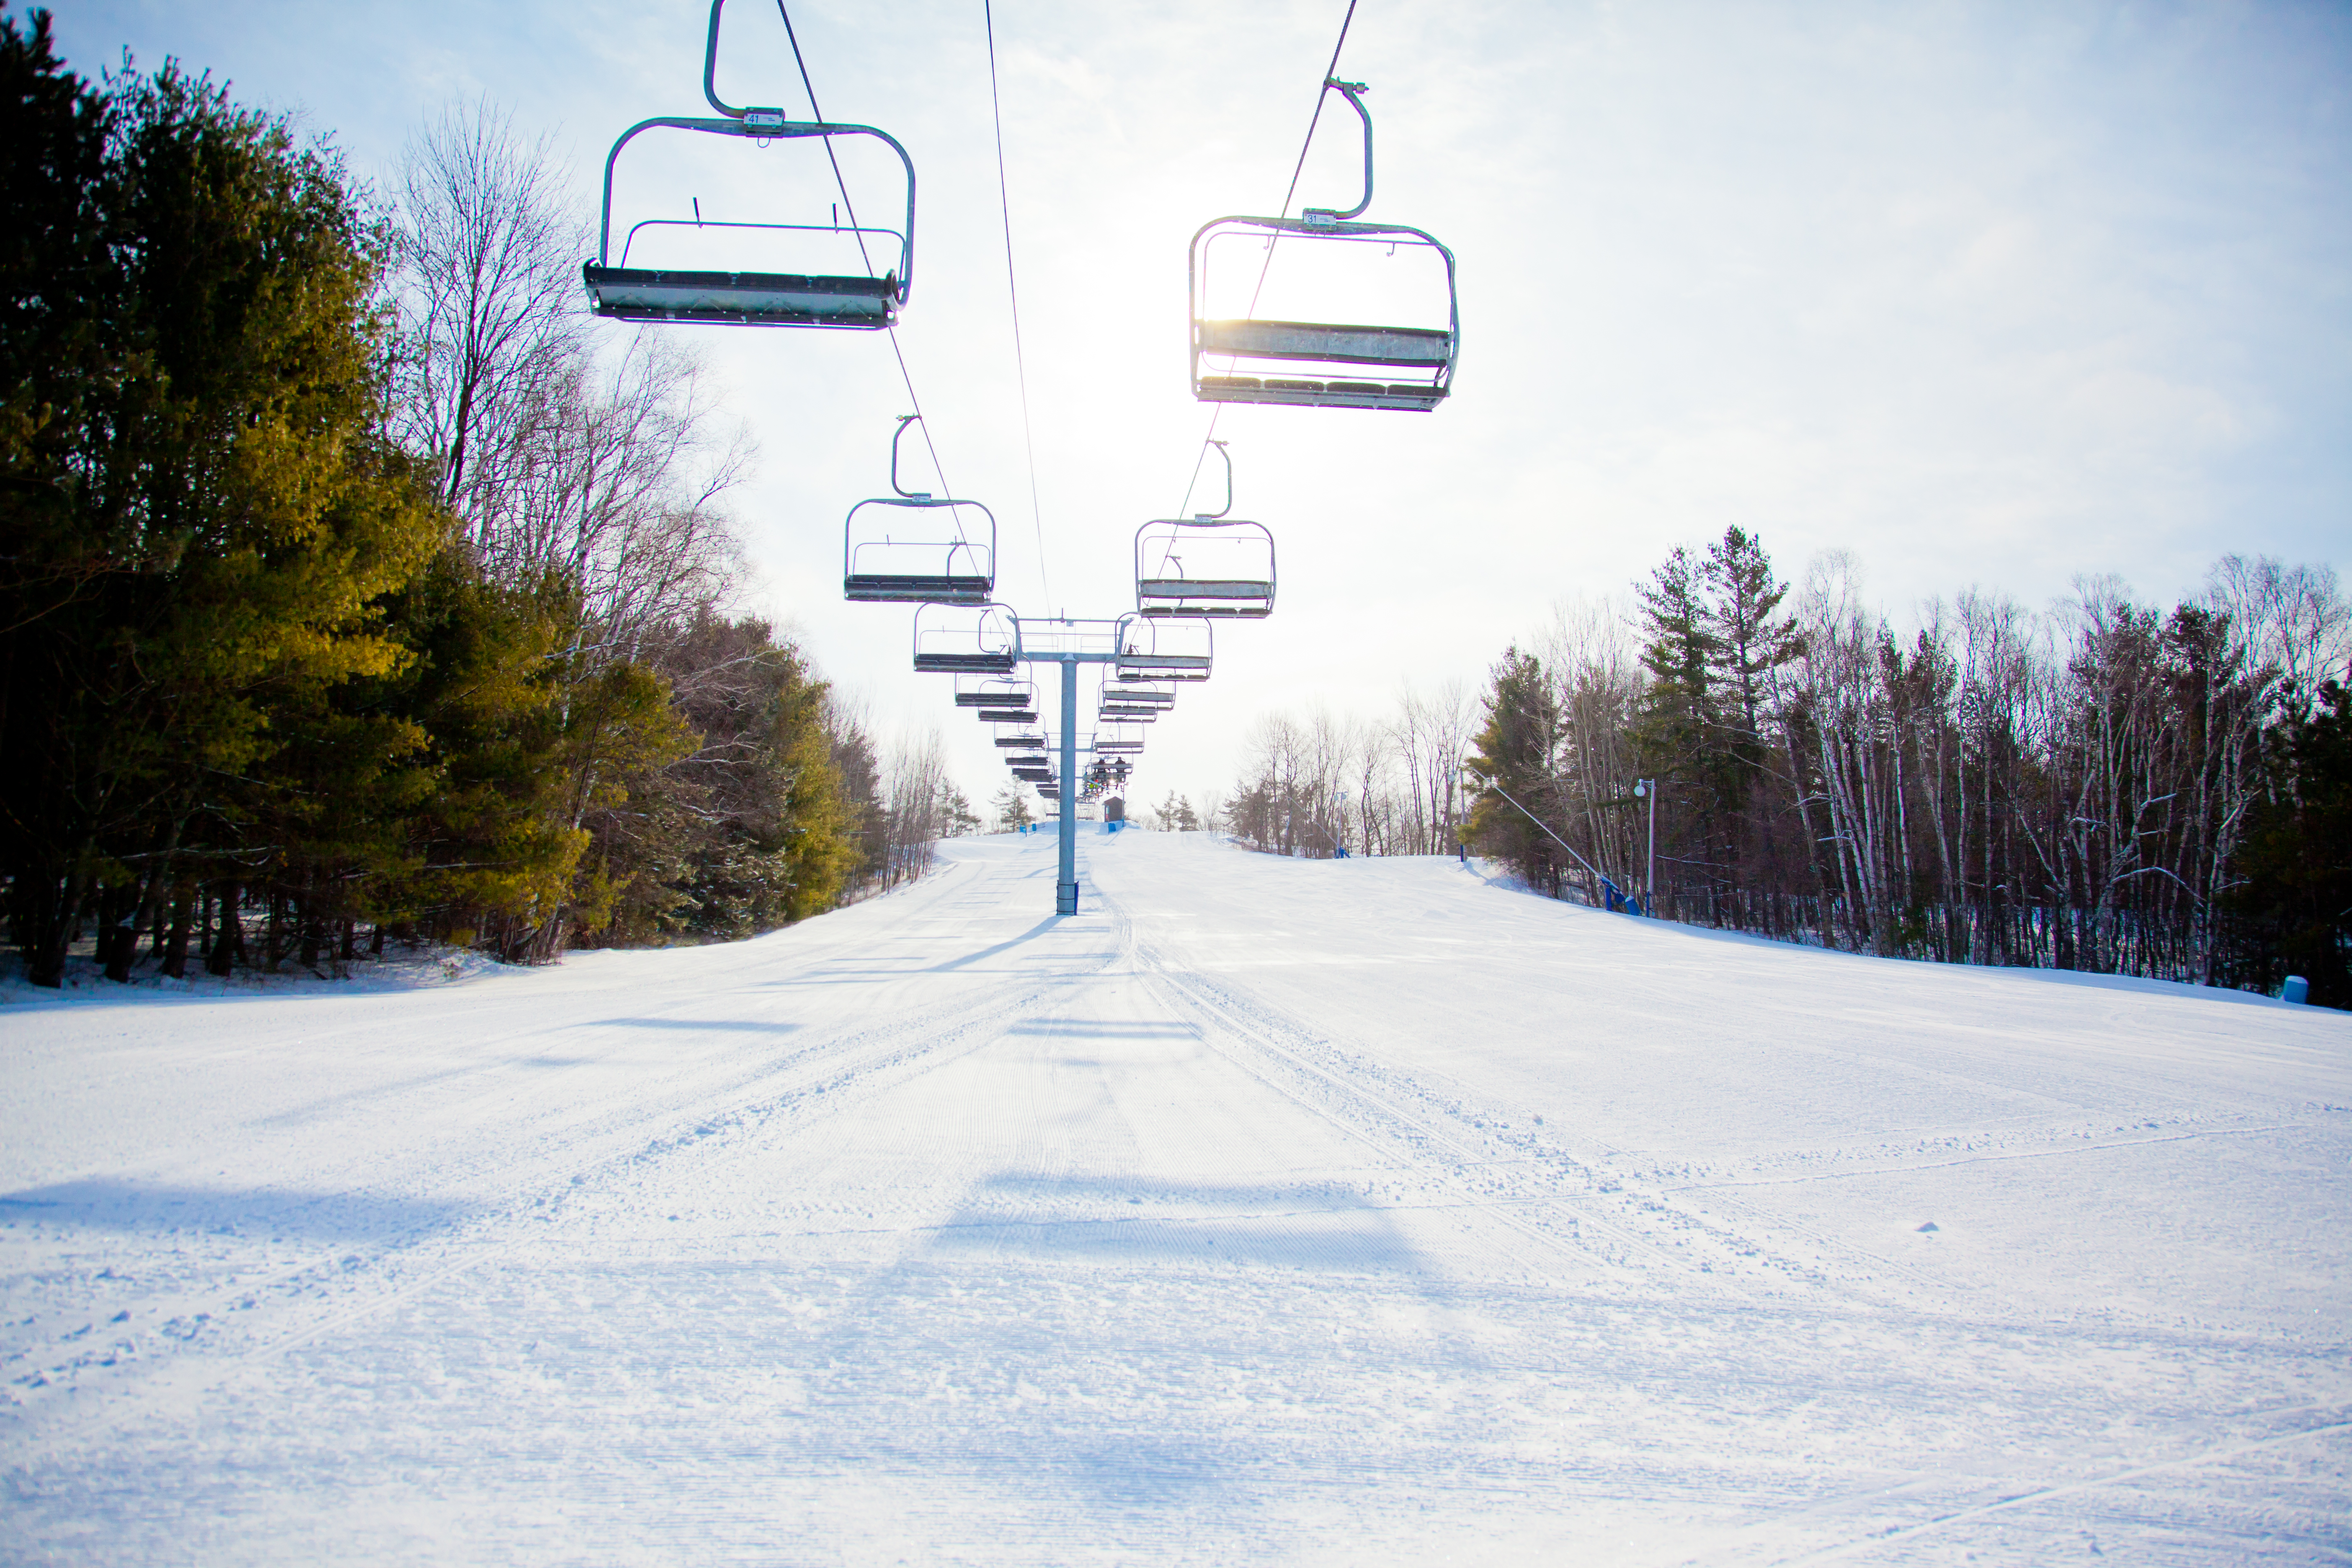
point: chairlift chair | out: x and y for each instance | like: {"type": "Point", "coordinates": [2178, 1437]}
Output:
{"type": "Point", "coordinates": [1164, 648]}
{"type": "Point", "coordinates": [1142, 694]}
{"type": "Point", "coordinates": [1115, 738]}
{"type": "Point", "coordinates": [912, 547]}
{"type": "Point", "coordinates": [1113, 703]}
{"type": "Point", "coordinates": [996, 693]}
{"type": "Point", "coordinates": [1332, 362]}
{"type": "Point", "coordinates": [966, 639]}
{"type": "Point", "coordinates": [1209, 565]}
{"type": "Point", "coordinates": [750, 299]}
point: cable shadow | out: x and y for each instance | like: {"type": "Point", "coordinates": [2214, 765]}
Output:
{"type": "Point", "coordinates": [1031, 934]}
{"type": "Point", "coordinates": [257, 1212]}
{"type": "Point", "coordinates": [1092, 1029]}
{"type": "Point", "coordinates": [697, 1025]}
{"type": "Point", "coordinates": [1316, 1228]}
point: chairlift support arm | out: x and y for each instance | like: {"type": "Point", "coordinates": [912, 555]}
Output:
{"type": "Point", "coordinates": [1353, 91]}
{"type": "Point", "coordinates": [1228, 456]}
{"type": "Point", "coordinates": [710, 70]}
{"type": "Point", "coordinates": [896, 437]}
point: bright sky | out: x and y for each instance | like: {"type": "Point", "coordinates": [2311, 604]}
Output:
{"type": "Point", "coordinates": [1992, 295]}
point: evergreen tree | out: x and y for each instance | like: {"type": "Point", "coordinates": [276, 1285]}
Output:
{"type": "Point", "coordinates": [1745, 641]}
{"type": "Point", "coordinates": [2296, 903]}
{"type": "Point", "coordinates": [1677, 713]}
{"type": "Point", "coordinates": [201, 515]}
{"type": "Point", "coordinates": [1514, 757]}
{"type": "Point", "coordinates": [956, 817]}
{"type": "Point", "coordinates": [1011, 804]}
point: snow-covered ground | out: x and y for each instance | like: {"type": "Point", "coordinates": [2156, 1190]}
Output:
{"type": "Point", "coordinates": [1266, 1211]}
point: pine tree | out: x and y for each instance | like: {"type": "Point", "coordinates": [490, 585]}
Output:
{"type": "Point", "coordinates": [201, 515]}
{"type": "Point", "coordinates": [2296, 903]}
{"type": "Point", "coordinates": [1746, 642]}
{"type": "Point", "coordinates": [956, 817]}
{"type": "Point", "coordinates": [1514, 757]}
{"type": "Point", "coordinates": [1678, 650]}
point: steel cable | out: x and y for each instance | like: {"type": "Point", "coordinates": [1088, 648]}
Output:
{"type": "Point", "coordinates": [955, 514]}
{"type": "Point", "coordinates": [1012, 290]}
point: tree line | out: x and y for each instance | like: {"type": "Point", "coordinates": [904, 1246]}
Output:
{"type": "Point", "coordinates": [1317, 785]}
{"type": "Point", "coordinates": [2105, 785]}
{"type": "Point", "coordinates": [349, 589]}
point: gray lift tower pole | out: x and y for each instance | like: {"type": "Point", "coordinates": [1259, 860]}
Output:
{"type": "Point", "coordinates": [1068, 643]}
{"type": "Point", "coordinates": [1065, 890]}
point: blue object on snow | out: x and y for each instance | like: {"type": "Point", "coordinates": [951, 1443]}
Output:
{"type": "Point", "coordinates": [2297, 990]}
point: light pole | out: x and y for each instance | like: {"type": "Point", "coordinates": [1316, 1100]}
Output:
{"type": "Point", "coordinates": [1647, 790]}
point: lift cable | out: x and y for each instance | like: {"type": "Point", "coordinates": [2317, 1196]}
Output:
{"type": "Point", "coordinates": [849, 207]}
{"type": "Point", "coordinates": [1013, 288]}
{"type": "Point", "coordinates": [1297, 169]}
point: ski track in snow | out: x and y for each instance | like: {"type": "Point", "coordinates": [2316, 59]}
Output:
{"type": "Point", "coordinates": [1317, 1213]}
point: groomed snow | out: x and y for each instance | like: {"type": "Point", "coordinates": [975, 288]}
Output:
{"type": "Point", "coordinates": [1267, 1211]}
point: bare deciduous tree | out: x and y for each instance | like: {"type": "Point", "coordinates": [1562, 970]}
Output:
{"type": "Point", "coordinates": [605, 470]}
{"type": "Point", "coordinates": [488, 290]}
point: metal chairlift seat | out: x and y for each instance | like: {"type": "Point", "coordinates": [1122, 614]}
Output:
{"type": "Point", "coordinates": [1118, 748]}
{"type": "Point", "coordinates": [1329, 349]}
{"type": "Point", "coordinates": [1127, 713]}
{"type": "Point", "coordinates": [738, 299]}
{"type": "Point", "coordinates": [912, 547]}
{"type": "Point", "coordinates": [1325, 342]}
{"type": "Point", "coordinates": [966, 639]}
{"type": "Point", "coordinates": [749, 298]}
{"type": "Point", "coordinates": [1008, 716]}
{"type": "Point", "coordinates": [1164, 648]}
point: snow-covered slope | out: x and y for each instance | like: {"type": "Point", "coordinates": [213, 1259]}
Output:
{"type": "Point", "coordinates": [1339, 1212]}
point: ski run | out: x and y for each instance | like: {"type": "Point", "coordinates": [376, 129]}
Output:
{"type": "Point", "coordinates": [1266, 1211]}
